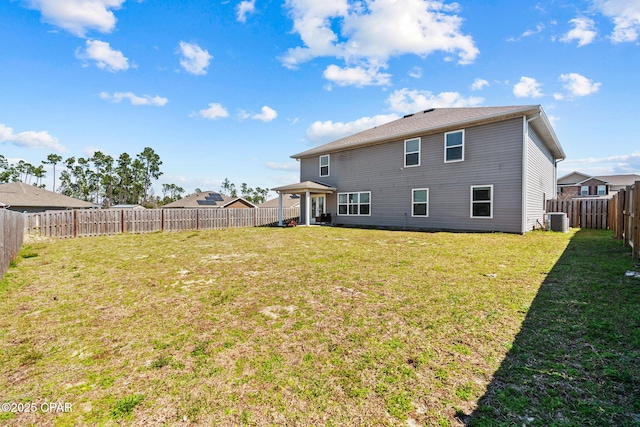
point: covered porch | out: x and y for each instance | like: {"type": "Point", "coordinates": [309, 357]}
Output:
{"type": "Point", "coordinates": [312, 191]}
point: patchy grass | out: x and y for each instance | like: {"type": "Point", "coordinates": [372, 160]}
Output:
{"type": "Point", "coordinates": [321, 326]}
{"type": "Point", "coordinates": [576, 360]}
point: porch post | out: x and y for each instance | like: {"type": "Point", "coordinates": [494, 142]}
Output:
{"type": "Point", "coordinates": [280, 209]}
{"type": "Point", "coordinates": [307, 208]}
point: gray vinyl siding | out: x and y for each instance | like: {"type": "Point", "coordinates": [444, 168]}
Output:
{"type": "Point", "coordinates": [540, 180]}
{"type": "Point", "coordinates": [493, 156]}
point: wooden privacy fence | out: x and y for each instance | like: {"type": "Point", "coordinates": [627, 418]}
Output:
{"type": "Point", "coordinates": [625, 217]}
{"type": "Point", "coordinates": [583, 213]}
{"type": "Point", "coordinates": [11, 236]}
{"type": "Point", "coordinates": [101, 222]}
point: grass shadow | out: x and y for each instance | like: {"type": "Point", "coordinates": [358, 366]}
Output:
{"type": "Point", "coordinates": [576, 360]}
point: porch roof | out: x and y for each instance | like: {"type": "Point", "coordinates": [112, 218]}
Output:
{"type": "Point", "coordinates": [303, 187]}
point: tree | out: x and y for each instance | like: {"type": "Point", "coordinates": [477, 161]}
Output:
{"type": "Point", "coordinates": [39, 173]}
{"type": "Point", "coordinates": [171, 193]}
{"type": "Point", "coordinates": [150, 162]}
{"type": "Point", "coordinates": [259, 195]}
{"type": "Point", "coordinates": [53, 159]}
{"type": "Point", "coordinates": [229, 188]}
{"type": "Point", "coordinates": [8, 172]}
{"type": "Point", "coordinates": [124, 176]}
{"type": "Point", "coordinates": [106, 178]}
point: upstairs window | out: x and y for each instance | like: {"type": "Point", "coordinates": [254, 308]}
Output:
{"type": "Point", "coordinates": [602, 190]}
{"type": "Point", "coordinates": [420, 202]}
{"type": "Point", "coordinates": [324, 165]}
{"type": "Point", "coordinates": [354, 203]}
{"type": "Point", "coordinates": [584, 190]}
{"type": "Point", "coordinates": [454, 146]}
{"type": "Point", "coordinates": [412, 152]}
{"type": "Point", "coordinates": [482, 201]}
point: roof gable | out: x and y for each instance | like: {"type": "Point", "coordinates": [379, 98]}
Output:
{"type": "Point", "coordinates": [573, 178]}
{"type": "Point", "coordinates": [21, 194]}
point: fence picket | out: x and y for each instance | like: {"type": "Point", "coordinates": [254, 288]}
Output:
{"type": "Point", "coordinates": [12, 227]}
{"type": "Point", "coordinates": [85, 223]}
{"type": "Point", "coordinates": [583, 213]}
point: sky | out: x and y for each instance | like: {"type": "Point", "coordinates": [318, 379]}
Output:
{"type": "Point", "coordinates": [231, 89]}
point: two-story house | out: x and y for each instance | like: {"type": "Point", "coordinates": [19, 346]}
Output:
{"type": "Point", "coordinates": [466, 169]}
{"type": "Point", "coordinates": [578, 184]}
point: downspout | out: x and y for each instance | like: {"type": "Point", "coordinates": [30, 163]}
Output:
{"type": "Point", "coordinates": [525, 165]}
{"type": "Point", "coordinates": [555, 176]}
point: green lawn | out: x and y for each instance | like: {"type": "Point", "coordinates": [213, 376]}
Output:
{"type": "Point", "coordinates": [320, 327]}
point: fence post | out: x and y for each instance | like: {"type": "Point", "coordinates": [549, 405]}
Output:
{"type": "Point", "coordinates": [636, 220]}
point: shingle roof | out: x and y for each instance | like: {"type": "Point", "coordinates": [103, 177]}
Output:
{"type": "Point", "coordinates": [21, 194]}
{"type": "Point", "coordinates": [576, 178]}
{"type": "Point", "coordinates": [301, 187]}
{"type": "Point", "coordinates": [438, 120]}
{"type": "Point", "coordinates": [206, 199]}
{"type": "Point", "coordinates": [211, 198]}
{"type": "Point", "coordinates": [288, 201]}
{"type": "Point", "coordinates": [625, 179]}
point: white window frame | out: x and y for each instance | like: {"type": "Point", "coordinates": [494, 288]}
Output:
{"type": "Point", "coordinates": [412, 152]}
{"type": "Point", "coordinates": [604, 190]}
{"type": "Point", "coordinates": [348, 203]}
{"type": "Point", "coordinates": [584, 190]}
{"type": "Point", "coordinates": [413, 203]}
{"type": "Point", "coordinates": [446, 148]}
{"type": "Point", "coordinates": [320, 165]}
{"type": "Point", "coordinates": [490, 201]}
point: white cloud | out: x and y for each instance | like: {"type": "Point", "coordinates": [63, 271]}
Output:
{"type": "Point", "coordinates": [285, 179]}
{"type": "Point", "coordinates": [30, 139]}
{"type": "Point", "coordinates": [415, 72]}
{"type": "Point", "coordinates": [105, 57]}
{"type": "Point", "coordinates": [625, 15]}
{"type": "Point", "coordinates": [244, 8]}
{"type": "Point", "coordinates": [135, 99]}
{"type": "Point", "coordinates": [195, 60]}
{"type": "Point", "coordinates": [538, 29]}
{"type": "Point", "coordinates": [267, 114]}
{"type": "Point", "coordinates": [583, 31]}
{"type": "Point", "coordinates": [579, 85]}
{"type": "Point", "coordinates": [321, 132]}
{"type": "Point", "coordinates": [78, 16]}
{"type": "Point", "coordinates": [479, 84]}
{"type": "Point", "coordinates": [409, 101]}
{"type": "Point", "coordinates": [356, 76]}
{"type": "Point", "coordinates": [366, 34]}
{"type": "Point", "coordinates": [215, 111]}
{"type": "Point", "coordinates": [527, 87]}
{"type": "Point", "coordinates": [289, 166]}
{"type": "Point", "coordinates": [618, 164]}
{"type": "Point", "coordinates": [90, 150]}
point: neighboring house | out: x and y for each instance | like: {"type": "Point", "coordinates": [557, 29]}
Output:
{"type": "Point", "coordinates": [210, 199]}
{"type": "Point", "coordinates": [124, 206]}
{"type": "Point", "coordinates": [466, 169]}
{"type": "Point", "coordinates": [288, 201]}
{"type": "Point", "coordinates": [21, 197]}
{"type": "Point", "coordinates": [578, 184]}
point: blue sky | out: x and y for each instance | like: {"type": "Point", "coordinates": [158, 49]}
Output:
{"type": "Point", "coordinates": [230, 89]}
